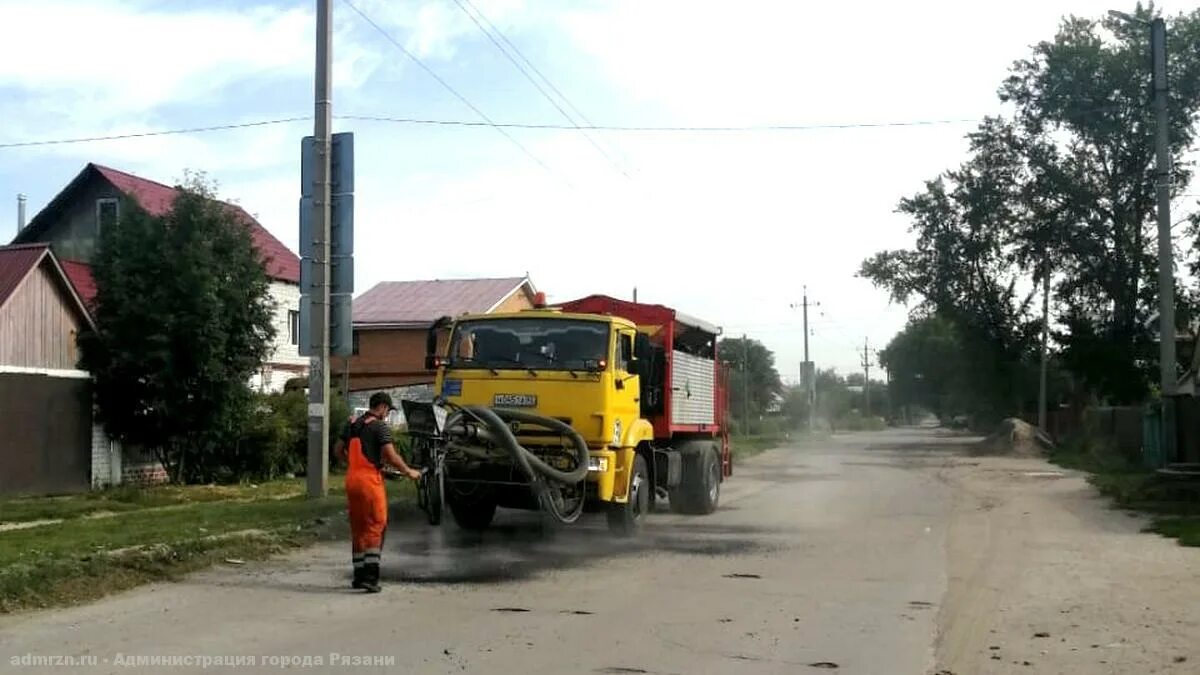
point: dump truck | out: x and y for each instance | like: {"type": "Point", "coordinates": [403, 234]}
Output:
{"type": "Point", "coordinates": [598, 404]}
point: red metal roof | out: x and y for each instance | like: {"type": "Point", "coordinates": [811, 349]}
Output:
{"type": "Point", "coordinates": [157, 198]}
{"type": "Point", "coordinates": [422, 302]}
{"type": "Point", "coordinates": [80, 276]}
{"type": "Point", "coordinates": [15, 264]}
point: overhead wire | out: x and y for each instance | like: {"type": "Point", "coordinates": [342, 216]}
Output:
{"type": "Point", "coordinates": [150, 134]}
{"type": "Point", "coordinates": [457, 123]}
{"type": "Point", "coordinates": [488, 32]}
{"type": "Point", "coordinates": [446, 85]}
{"type": "Point", "coordinates": [657, 129]}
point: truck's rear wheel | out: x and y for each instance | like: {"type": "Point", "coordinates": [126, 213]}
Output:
{"type": "Point", "coordinates": [624, 519]}
{"type": "Point", "coordinates": [699, 490]}
{"type": "Point", "coordinates": [476, 515]}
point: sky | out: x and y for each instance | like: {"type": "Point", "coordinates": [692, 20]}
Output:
{"type": "Point", "coordinates": [728, 226]}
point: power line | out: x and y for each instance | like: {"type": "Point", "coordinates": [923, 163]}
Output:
{"type": "Point", "coordinates": [657, 129]}
{"type": "Point", "coordinates": [149, 134]}
{"type": "Point", "coordinates": [446, 85]}
{"type": "Point", "coordinates": [463, 4]}
{"type": "Point", "coordinates": [539, 73]}
{"type": "Point", "coordinates": [466, 123]}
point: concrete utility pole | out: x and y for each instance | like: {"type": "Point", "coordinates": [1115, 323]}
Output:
{"type": "Point", "coordinates": [867, 376]}
{"type": "Point", "coordinates": [808, 373]}
{"type": "Point", "coordinates": [1166, 255]}
{"type": "Point", "coordinates": [1162, 188]}
{"type": "Point", "coordinates": [1045, 341]}
{"type": "Point", "coordinates": [746, 384]}
{"type": "Point", "coordinates": [20, 213]}
{"type": "Point", "coordinates": [1162, 183]}
{"type": "Point", "coordinates": [318, 374]}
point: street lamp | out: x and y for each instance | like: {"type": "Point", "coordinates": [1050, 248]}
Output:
{"type": "Point", "coordinates": [1162, 185]}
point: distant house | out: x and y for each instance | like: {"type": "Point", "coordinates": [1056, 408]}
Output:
{"type": "Point", "coordinates": [72, 221]}
{"type": "Point", "coordinates": [49, 443]}
{"type": "Point", "coordinates": [391, 322]}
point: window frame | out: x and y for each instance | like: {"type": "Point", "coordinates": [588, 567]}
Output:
{"type": "Point", "coordinates": [293, 317]}
{"type": "Point", "coordinates": [100, 204]}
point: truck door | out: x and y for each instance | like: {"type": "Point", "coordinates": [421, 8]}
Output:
{"type": "Point", "coordinates": [626, 395]}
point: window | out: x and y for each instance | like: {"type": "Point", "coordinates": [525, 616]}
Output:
{"type": "Point", "coordinates": [624, 351]}
{"type": "Point", "coordinates": [354, 343]}
{"type": "Point", "coordinates": [293, 327]}
{"type": "Point", "coordinates": [523, 344]}
{"type": "Point", "coordinates": [106, 213]}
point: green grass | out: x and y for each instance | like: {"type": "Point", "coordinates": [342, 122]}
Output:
{"type": "Point", "coordinates": [125, 499]}
{"type": "Point", "coordinates": [157, 534]}
{"type": "Point", "coordinates": [1175, 503]}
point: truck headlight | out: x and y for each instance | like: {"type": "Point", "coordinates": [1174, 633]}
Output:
{"type": "Point", "coordinates": [598, 464]}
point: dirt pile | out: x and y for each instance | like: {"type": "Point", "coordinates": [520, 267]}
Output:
{"type": "Point", "coordinates": [1016, 438]}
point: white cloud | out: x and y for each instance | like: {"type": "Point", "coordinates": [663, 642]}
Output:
{"type": "Point", "coordinates": [124, 58]}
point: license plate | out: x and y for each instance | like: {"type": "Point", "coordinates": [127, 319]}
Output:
{"type": "Point", "coordinates": [514, 401]}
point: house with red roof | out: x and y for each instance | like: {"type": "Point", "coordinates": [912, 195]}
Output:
{"type": "Point", "coordinates": [50, 442]}
{"type": "Point", "coordinates": [72, 221]}
{"type": "Point", "coordinates": [392, 319]}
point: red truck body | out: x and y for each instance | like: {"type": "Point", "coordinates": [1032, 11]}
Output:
{"type": "Point", "coordinates": [673, 332]}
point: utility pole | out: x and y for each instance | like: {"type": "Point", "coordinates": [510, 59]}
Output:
{"type": "Point", "coordinates": [867, 376]}
{"type": "Point", "coordinates": [1166, 267]}
{"type": "Point", "coordinates": [1045, 341]}
{"type": "Point", "coordinates": [746, 384]}
{"type": "Point", "coordinates": [318, 373]}
{"type": "Point", "coordinates": [807, 371]}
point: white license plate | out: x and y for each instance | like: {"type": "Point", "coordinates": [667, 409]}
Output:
{"type": "Point", "coordinates": [514, 401]}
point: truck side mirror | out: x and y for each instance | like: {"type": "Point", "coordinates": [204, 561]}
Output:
{"type": "Point", "coordinates": [431, 360]}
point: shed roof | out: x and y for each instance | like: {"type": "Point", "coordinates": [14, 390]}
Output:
{"type": "Point", "coordinates": [419, 303]}
{"type": "Point", "coordinates": [19, 260]}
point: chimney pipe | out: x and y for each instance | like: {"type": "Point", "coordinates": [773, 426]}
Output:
{"type": "Point", "coordinates": [20, 213]}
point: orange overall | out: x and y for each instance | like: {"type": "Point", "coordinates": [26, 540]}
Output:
{"type": "Point", "coordinates": [367, 500]}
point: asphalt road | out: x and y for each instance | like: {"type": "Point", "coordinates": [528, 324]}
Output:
{"type": "Point", "coordinates": [819, 556]}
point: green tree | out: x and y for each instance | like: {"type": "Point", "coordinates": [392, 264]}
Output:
{"type": "Point", "coordinates": [1084, 127]}
{"type": "Point", "coordinates": [929, 368]}
{"type": "Point", "coordinates": [183, 319]}
{"type": "Point", "coordinates": [1062, 187]}
{"type": "Point", "coordinates": [751, 373]}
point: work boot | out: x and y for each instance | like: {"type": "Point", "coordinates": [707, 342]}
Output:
{"type": "Point", "coordinates": [359, 578]}
{"type": "Point", "coordinates": [370, 581]}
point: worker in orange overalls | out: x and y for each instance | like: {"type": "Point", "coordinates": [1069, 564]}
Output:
{"type": "Point", "coordinates": [366, 445]}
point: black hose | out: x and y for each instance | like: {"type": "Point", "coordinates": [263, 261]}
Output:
{"type": "Point", "coordinates": [538, 472]}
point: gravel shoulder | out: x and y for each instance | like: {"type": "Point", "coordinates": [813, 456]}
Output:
{"type": "Point", "coordinates": [1045, 576]}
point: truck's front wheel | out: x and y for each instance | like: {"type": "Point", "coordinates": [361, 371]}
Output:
{"type": "Point", "coordinates": [624, 519]}
{"type": "Point", "coordinates": [699, 490]}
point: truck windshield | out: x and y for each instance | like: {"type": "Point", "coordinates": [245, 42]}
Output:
{"type": "Point", "coordinates": [524, 344]}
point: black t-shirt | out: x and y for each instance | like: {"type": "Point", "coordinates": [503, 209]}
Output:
{"type": "Point", "coordinates": [373, 433]}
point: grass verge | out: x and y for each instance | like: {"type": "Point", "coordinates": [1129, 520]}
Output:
{"type": "Point", "coordinates": [158, 535]}
{"type": "Point", "coordinates": [1175, 504]}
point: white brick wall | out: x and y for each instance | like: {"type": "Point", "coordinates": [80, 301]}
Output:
{"type": "Point", "coordinates": [287, 299]}
{"type": "Point", "coordinates": [101, 458]}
